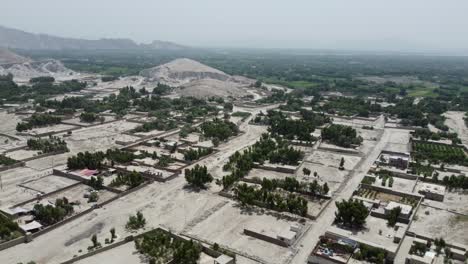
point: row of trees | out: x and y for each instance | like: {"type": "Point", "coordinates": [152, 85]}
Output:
{"type": "Point", "coordinates": [95, 160]}
{"type": "Point", "coordinates": [350, 106]}
{"type": "Point", "coordinates": [86, 160]}
{"type": "Point", "coordinates": [341, 135]}
{"type": "Point", "coordinates": [132, 179]}
{"type": "Point", "coordinates": [456, 182]}
{"type": "Point", "coordinates": [426, 134]}
{"type": "Point", "coordinates": [198, 176]}
{"type": "Point", "coordinates": [89, 117]}
{"type": "Point", "coordinates": [161, 247]}
{"type": "Point", "coordinates": [290, 184]}
{"type": "Point", "coordinates": [195, 154]}
{"type": "Point", "coordinates": [158, 124]}
{"type": "Point", "coordinates": [49, 214]}
{"type": "Point", "coordinates": [220, 129]}
{"type": "Point", "coordinates": [51, 144]}
{"type": "Point", "coordinates": [270, 199]}
{"type": "Point", "coordinates": [38, 120]}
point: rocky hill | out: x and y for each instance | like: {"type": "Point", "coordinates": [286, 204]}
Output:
{"type": "Point", "coordinates": [182, 71]}
{"type": "Point", "coordinates": [25, 71]}
{"type": "Point", "coordinates": [192, 78]}
{"type": "Point", "coordinates": [8, 57]}
{"type": "Point", "coordinates": [17, 39]}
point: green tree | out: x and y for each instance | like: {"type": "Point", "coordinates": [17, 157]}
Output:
{"type": "Point", "coordinates": [342, 162]}
{"type": "Point", "coordinates": [351, 213]}
{"type": "Point", "coordinates": [325, 189]}
{"type": "Point", "coordinates": [393, 216]}
{"type": "Point", "coordinates": [136, 221]}
{"type": "Point", "coordinates": [198, 176]}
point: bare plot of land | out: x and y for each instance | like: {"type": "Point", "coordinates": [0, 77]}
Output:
{"type": "Point", "coordinates": [48, 162]}
{"type": "Point", "coordinates": [353, 122]}
{"type": "Point", "coordinates": [325, 174]}
{"type": "Point", "coordinates": [99, 137]}
{"type": "Point", "coordinates": [48, 183]}
{"type": "Point", "coordinates": [11, 193]}
{"type": "Point", "coordinates": [454, 201]}
{"type": "Point", "coordinates": [226, 227]}
{"type": "Point", "coordinates": [259, 173]}
{"type": "Point", "coordinates": [434, 223]}
{"type": "Point", "coordinates": [368, 134]}
{"type": "Point", "coordinates": [9, 122]}
{"type": "Point", "coordinates": [399, 141]}
{"type": "Point", "coordinates": [120, 255]}
{"type": "Point", "coordinates": [75, 195]}
{"type": "Point", "coordinates": [22, 154]}
{"type": "Point", "coordinates": [332, 159]}
{"type": "Point", "coordinates": [399, 184]}
{"type": "Point", "coordinates": [456, 124]}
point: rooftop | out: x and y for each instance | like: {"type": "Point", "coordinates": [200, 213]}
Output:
{"type": "Point", "coordinates": [432, 188]}
{"type": "Point", "coordinates": [405, 209]}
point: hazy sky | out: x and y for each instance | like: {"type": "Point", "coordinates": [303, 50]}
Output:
{"type": "Point", "coordinates": [407, 25]}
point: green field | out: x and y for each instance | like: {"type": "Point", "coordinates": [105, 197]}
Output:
{"type": "Point", "coordinates": [436, 153]}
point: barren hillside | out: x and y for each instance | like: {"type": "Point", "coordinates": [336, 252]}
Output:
{"type": "Point", "coordinates": [182, 71]}
{"type": "Point", "coordinates": [193, 78]}
{"type": "Point", "coordinates": [27, 70]}
{"type": "Point", "coordinates": [8, 57]}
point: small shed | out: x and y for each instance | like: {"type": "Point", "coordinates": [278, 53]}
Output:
{"type": "Point", "coordinates": [32, 227]}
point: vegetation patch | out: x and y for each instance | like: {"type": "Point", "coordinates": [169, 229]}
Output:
{"type": "Point", "coordinates": [48, 145]}
{"type": "Point", "coordinates": [341, 135]}
{"type": "Point", "coordinates": [437, 153]}
{"type": "Point", "coordinates": [38, 120]}
{"type": "Point", "coordinates": [161, 247]}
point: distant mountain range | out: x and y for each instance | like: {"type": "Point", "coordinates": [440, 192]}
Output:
{"type": "Point", "coordinates": [18, 39]}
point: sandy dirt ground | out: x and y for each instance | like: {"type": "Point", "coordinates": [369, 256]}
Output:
{"type": "Point", "coordinates": [399, 184]}
{"type": "Point", "coordinates": [399, 140]}
{"type": "Point", "coordinates": [22, 154]}
{"type": "Point", "coordinates": [230, 233]}
{"type": "Point", "coordinates": [48, 183]}
{"type": "Point", "coordinates": [432, 222]}
{"type": "Point", "coordinates": [168, 204]}
{"type": "Point", "coordinates": [9, 122]}
{"type": "Point", "coordinates": [100, 137]}
{"type": "Point", "coordinates": [456, 124]}
{"type": "Point", "coordinates": [455, 201]}
{"type": "Point", "coordinates": [11, 193]}
{"type": "Point", "coordinates": [121, 255]}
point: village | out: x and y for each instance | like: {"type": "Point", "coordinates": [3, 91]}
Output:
{"type": "Point", "coordinates": [263, 178]}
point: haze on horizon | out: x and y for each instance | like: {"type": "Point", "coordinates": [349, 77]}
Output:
{"type": "Point", "coordinates": [398, 25]}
